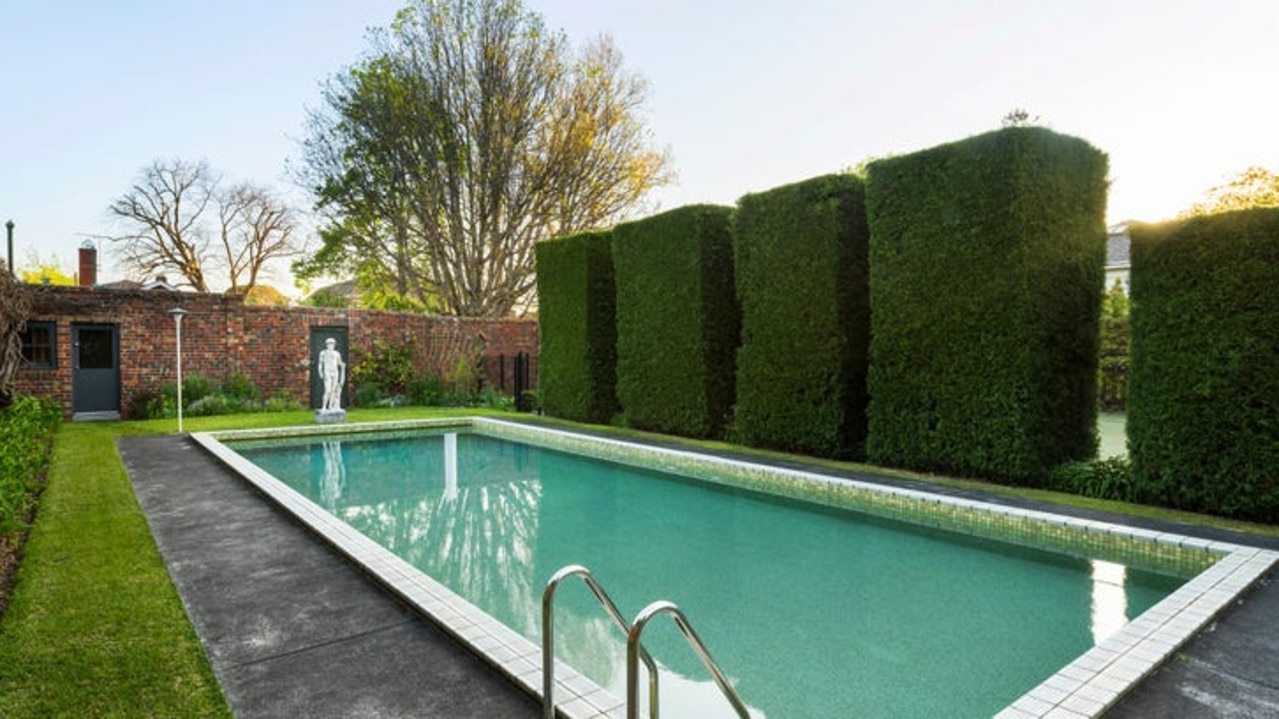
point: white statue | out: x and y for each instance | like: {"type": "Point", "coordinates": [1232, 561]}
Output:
{"type": "Point", "coordinates": [333, 372]}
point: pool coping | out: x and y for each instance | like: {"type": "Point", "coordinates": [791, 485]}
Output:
{"type": "Point", "coordinates": [1086, 687]}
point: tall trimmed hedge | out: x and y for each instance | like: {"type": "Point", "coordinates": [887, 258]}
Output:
{"type": "Point", "coordinates": [801, 267]}
{"type": "Point", "coordinates": [1203, 405]}
{"type": "Point", "coordinates": [987, 268]}
{"type": "Point", "coordinates": [577, 359]}
{"type": "Point", "coordinates": [677, 320]}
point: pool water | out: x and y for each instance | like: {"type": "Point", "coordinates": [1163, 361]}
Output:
{"type": "Point", "coordinates": [812, 612]}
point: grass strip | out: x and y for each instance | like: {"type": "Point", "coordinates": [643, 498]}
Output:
{"type": "Point", "coordinates": [95, 627]}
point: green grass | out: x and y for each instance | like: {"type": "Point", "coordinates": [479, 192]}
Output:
{"type": "Point", "coordinates": [96, 628]}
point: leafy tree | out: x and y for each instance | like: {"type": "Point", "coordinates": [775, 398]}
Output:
{"type": "Point", "coordinates": [1116, 334]}
{"type": "Point", "coordinates": [265, 296]}
{"type": "Point", "coordinates": [179, 219]}
{"type": "Point", "coordinates": [14, 308]}
{"type": "Point", "coordinates": [469, 133]}
{"type": "Point", "coordinates": [39, 271]}
{"type": "Point", "coordinates": [1254, 187]}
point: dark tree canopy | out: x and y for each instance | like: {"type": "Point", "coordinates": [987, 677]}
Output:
{"type": "Point", "coordinates": [469, 133]}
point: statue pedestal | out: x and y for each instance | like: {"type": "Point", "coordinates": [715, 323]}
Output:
{"type": "Point", "coordinates": [330, 416]}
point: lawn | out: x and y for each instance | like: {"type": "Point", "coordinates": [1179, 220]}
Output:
{"type": "Point", "coordinates": [95, 627]}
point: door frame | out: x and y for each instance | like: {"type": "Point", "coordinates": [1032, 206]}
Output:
{"type": "Point", "coordinates": [95, 391]}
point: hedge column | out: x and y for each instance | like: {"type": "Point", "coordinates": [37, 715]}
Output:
{"type": "Point", "coordinates": [1203, 408]}
{"type": "Point", "coordinates": [987, 265]}
{"type": "Point", "coordinates": [576, 325]}
{"type": "Point", "coordinates": [677, 320]}
{"type": "Point", "coordinates": [801, 266]}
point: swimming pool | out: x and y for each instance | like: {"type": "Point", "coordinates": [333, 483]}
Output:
{"type": "Point", "coordinates": [520, 538]}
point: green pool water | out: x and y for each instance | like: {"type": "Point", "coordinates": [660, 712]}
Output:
{"type": "Point", "coordinates": [811, 612]}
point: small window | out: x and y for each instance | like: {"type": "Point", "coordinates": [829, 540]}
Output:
{"type": "Point", "coordinates": [38, 345]}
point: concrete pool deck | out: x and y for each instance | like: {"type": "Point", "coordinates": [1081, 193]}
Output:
{"type": "Point", "coordinates": [291, 628]}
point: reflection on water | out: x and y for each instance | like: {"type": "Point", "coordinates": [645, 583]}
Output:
{"type": "Point", "coordinates": [804, 609]}
{"type": "Point", "coordinates": [1109, 600]}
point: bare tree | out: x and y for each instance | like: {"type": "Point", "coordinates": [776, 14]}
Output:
{"type": "Point", "coordinates": [471, 133]}
{"type": "Point", "coordinates": [162, 213]}
{"type": "Point", "coordinates": [254, 227]}
{"type": "Point", "coordinates": [169, 213]}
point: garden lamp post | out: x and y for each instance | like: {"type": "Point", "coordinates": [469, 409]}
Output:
{"type": "Point", "coordinates": [178, 313]}
{"type": "Point", "coordinates": [9, 226]}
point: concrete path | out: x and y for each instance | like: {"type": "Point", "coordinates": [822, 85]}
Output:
{"type": "Point", "coordinates": [292, 629]}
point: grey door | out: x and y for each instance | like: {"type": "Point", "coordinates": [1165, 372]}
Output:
{"type": "Point", "coordinates": [95, 374]}
{"type": "Point", "coordinates": [318, 335]}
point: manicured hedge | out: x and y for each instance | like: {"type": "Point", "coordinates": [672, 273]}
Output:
{"type": "Point", "coordinates": [801, 267]}
{"type": "Point", "coordinates": [26, 431]}
{"type": "Point", "coordinates": [987, 268]}
{"type": "Point", "coordinates": [677, 320]}
{"type": "Point", "coordinates": [577, 372]}
{"type": "Point", "coordinates": [1203, 406]}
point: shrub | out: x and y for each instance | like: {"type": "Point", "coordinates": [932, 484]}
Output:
{"type": "Point", "coordinates": [577, 328]}
{"type": "Point", "coordinates": [426, 391]}
{"type": "Point", "coordinates": [1109, 478]}
{"type": "Point", "coordinates": [239, 386]}
{"type": "Point", "coordinates": [388, 366]}
{"type": "Point", "coordinates": [196, 387]}
{"type": "Point", "coordinates": [677, 320]}
{"type": "Point", "coordinates": [214, 404]}
{"type": "Point", "coordinates": [987, 268]}
{"type": "Point", "coordinates": [1203, 407]}
{"type": "Point", "coordinates": [27, 427]}
{"type": "Point", "coordinates": [800, 256]}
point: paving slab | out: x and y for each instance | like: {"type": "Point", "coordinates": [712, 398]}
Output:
{"type": "Point", "coordinates": [291, 628]}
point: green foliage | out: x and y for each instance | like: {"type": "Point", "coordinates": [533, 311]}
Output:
{"type": "Point", "coordinates": [577, 328]}
{"type": "Point", "coordinates": [1203, 410]}
{"type": "Point", "coordinates": [1109, 478]}
{"type": "Point", "coordinates": [677, 320]}
{"type": "Point", "coordinates": [388, 366]}
{"type": "Point", "coordinates": [988, 269]}
{"type": "Point", "coordinates": [1115, 357]}
{"type": "Point", "coordinates": [1252, 188]}
{"type": "Point", "coordinates": [426, 391]}
{"type": "Point", "coordinates": [238, 386]}
{"type": "Point", "coordinates": [26, 433]}
{"type": "Point", "coordinates": [196, 387]}
{"type": "Point", "coordinates": [467, 133]}
{"type": "Point", "coordinates": [802, 280]}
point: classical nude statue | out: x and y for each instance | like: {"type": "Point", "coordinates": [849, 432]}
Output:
{"type": "Point", "coordinates": [333, 372]}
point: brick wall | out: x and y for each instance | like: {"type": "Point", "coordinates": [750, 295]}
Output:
{"type": "Point", "coordinates": [269, 345]}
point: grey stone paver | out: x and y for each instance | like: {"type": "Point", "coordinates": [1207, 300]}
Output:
{"type": "Point", "coordinates": [292, 629]}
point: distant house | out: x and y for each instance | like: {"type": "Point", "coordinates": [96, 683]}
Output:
{"type": "Point", "coordinates": [1117, 251]}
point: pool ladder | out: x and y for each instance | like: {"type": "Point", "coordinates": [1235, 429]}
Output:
{"type": "Point", "coordinates": [635, 651]}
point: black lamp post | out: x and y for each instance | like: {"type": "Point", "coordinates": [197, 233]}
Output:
{"type": "Point", "coordinates": [9, 226]}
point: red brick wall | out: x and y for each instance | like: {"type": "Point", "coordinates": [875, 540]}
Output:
{"type": "Point", "coordinates": [269, 345]}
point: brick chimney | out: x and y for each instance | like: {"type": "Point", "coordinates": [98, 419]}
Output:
{"type": "Point", "coordinates": [88, 264]}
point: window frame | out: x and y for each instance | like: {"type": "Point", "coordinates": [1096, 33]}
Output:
{"type": "Point", "coordinates": [25, 337]}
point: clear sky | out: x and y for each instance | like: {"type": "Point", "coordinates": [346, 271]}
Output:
{"type": "Point", "coordinates": [747, 95]}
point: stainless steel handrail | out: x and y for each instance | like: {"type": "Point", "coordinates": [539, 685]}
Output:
{"type": "Point", "coordinates": [633, 648]}
{"type": "Point", "coordinates": [548, 638]}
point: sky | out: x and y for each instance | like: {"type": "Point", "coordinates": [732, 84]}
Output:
{"type": "Point", "coordinates": [746, 95]}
